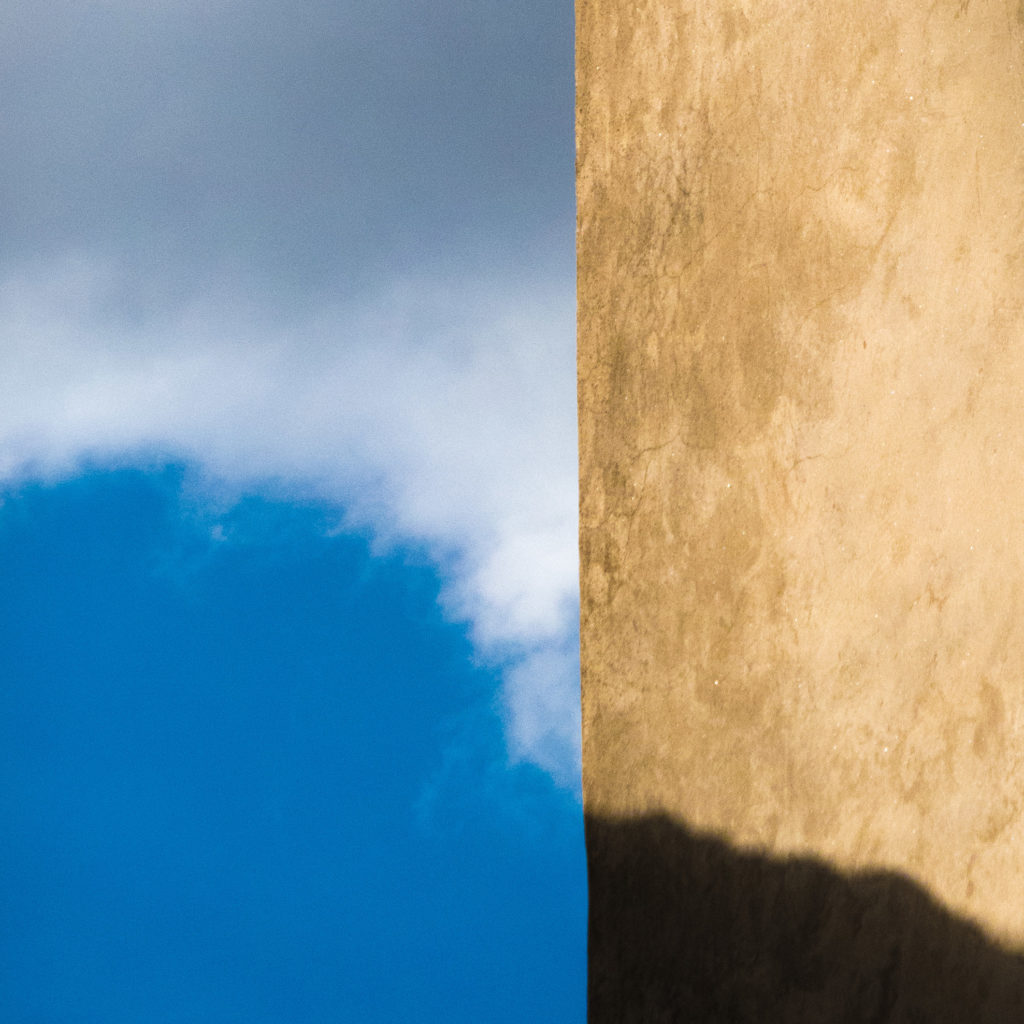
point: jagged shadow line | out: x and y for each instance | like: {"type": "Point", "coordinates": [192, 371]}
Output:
{"type": "Point", "coordinates": [685, 927]}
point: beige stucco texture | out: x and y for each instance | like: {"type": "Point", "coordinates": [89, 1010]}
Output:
{"type": "Point", "coordinates": [801, 359]}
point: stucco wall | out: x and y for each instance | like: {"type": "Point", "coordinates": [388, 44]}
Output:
{"type": "Point", "coordinates": [801, 373]}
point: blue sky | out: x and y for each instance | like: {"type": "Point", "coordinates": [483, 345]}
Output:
{"type": "Point", "coordinates": [288, 671]}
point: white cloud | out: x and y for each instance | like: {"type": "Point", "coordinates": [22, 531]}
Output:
{"type": "Point", "coordinates": [440, 413]}
{"type": "Point", "coordinates": [541, 704]}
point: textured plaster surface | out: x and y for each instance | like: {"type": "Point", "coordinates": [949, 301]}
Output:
{"type": "Point", "coordinates": [801, 371]}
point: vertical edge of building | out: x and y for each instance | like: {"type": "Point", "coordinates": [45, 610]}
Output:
{"type": "Point", "coordinates": [800, 262]}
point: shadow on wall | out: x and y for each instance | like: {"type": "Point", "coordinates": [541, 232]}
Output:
{"type": "Point", "coordinates": [684, 927]}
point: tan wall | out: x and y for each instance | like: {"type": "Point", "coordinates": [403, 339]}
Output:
{"type": "Point", "coordinates": [801, 359]}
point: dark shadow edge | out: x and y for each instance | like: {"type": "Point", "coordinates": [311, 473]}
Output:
{"type": "Point", "coordinates": [685, 927]}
